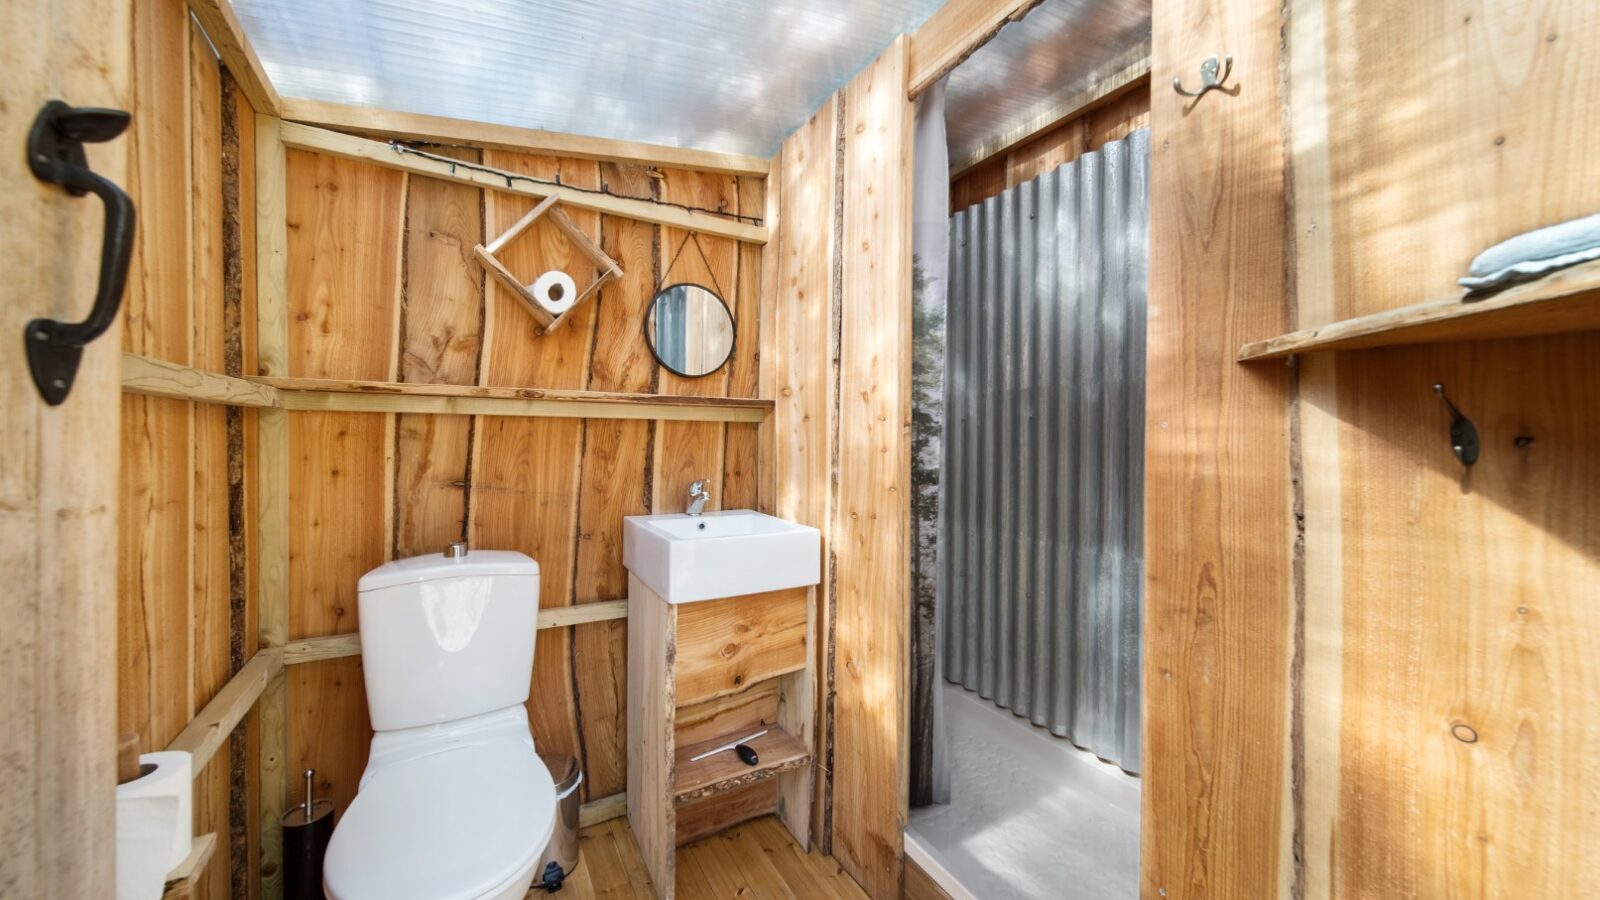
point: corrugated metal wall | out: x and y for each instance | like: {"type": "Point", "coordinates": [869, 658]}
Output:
{"type": "Point", "coordinates": [1043, 495]}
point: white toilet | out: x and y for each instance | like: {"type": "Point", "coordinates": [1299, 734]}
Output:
{"type": "Point", "coordinates": [454, 803]}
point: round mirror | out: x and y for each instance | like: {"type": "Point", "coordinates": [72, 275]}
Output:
{"type": "Point", "coordinates": [689, 329]}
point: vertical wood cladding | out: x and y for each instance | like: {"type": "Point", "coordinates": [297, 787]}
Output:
{"type": "Point", "coordinates": [382, 286]}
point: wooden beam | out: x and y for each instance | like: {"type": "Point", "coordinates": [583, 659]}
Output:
{"type": "Point", "coordinates": [954, 32]}
{"type": "Point", "coordinates": [222, 27]}
{"type": "Point", "coordinates": [1099, 91]}
{"type": "Point", "coordinates": [159, 378]}
{"type": "Point", "coordinates": [334, 646]}
{"type": "Point", "coordinates": [319, 140]}
{"type": "Point", "coordinates": [385, 123]}
{"type": "Point", "coordinates": [318, 394]}
{"type": "Point", "coordinates": [272, 503]}
{"type": "Point", "coordinates": [211, 728]}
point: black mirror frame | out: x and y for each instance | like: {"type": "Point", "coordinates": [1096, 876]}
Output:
{"type": "Point", "coordinates": [650, 311]}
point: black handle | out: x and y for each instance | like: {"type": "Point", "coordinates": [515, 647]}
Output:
{"type": "Point", "coordinates": [55, 154]}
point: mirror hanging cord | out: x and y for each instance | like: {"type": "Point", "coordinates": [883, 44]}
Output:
{"type": "Point", "coordinates": [512, 177]}
{"type": "Point", "coordinates": [688, 236]}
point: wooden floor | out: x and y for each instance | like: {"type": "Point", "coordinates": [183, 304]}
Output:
{"type": "Point", "coordinates": [756, 860]}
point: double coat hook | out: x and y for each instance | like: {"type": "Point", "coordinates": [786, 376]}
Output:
{"type": "Point", "coordinates": [1213, 74]}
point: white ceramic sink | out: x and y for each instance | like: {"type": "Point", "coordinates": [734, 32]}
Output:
{"type": "Point", "coordinates": [720, 554]}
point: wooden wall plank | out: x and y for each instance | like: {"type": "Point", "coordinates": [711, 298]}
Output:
{"type": "Point", "coordinates": [1404, 225]}
{"type": "Point", "coordinates": [155, 649]}
{"type": "Point", "coordinates": [441, 340]}
{"type": "Point", "coordinates": [872, 520]}
{"type": "Point", "coordinates": [59, 708]}
{"type": "Point", "coordinates": [615, 484]}
{"type": "Point", "coordinates": [688, 451]}
{"type": "Point", "coordinates": [1218, 527]}
{"type": "Point", "coordinates": [344, 246]}
{"type": "Point", "coordinates": [803, 377]}
{"type": "Point", "coordinates": [555, 489]}
{"type": "Point", "coordinates": [1466, 604]}
{"type": "Point", "coordinates": [741, 447]}
{"type": "Point", "coordinates": [525, 495]}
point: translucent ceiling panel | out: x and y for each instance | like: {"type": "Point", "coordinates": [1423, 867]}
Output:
{"type": "Point", "coordinates": [730, 75]}
{"type": "Point", "coordinates": [1019, 80]}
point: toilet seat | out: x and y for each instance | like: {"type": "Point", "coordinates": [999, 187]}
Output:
{"type": "Point", "coordinates": [460, 824]}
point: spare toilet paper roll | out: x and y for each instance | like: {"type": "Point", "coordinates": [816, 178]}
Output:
{"type": "Point", "coordinates": [555, 290]}
{"type": "Point", "coordinates": [155, 824]}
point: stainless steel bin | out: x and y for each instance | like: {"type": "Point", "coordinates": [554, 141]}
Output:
{"type": "Point", "coordinates": [561, 854]}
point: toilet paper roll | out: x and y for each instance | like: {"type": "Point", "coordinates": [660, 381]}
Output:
{"type": "Point", "coordinates": [155, 823]}
{"type": "Point", "coordinates": [568, 292]}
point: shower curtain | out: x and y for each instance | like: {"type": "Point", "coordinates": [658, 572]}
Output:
{"type": "Point", "coordinates": [930, 238]}
{"type": "Point", "coordinates": [1041, 550]}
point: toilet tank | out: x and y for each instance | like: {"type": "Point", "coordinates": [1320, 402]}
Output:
{"type": "Point", "coordinates": [444, 639]}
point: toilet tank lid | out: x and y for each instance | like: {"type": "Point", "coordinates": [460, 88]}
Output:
{"type": "Point", "coordinates": [434, 566]}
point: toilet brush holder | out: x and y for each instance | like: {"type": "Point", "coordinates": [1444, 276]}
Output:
{"type": "Point", "coordinates": [307, 828]}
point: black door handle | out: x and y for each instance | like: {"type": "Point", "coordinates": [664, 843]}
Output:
{"type": "Point", "coordinates": [55, 154]}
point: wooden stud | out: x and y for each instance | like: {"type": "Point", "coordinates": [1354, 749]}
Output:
{"type": "Point", "coordinates": [390, 124]}
{"type": "Point", "coordinates": [272, 493]}
{"type": "Point", "coordinates": [317, 140]}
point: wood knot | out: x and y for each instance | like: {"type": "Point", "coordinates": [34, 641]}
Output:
{"type": "Point", "coordinates": [1464, 733]}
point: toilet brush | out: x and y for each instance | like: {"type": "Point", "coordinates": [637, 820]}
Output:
{"type": "Point", "coordinates": [306, 831]}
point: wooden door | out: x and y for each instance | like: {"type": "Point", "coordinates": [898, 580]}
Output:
{"type": "Point", "coordinates": [58, 469]}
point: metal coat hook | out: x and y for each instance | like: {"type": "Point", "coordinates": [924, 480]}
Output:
{"type": "Point", "coordinates": [1463, 434]}
{"type": "Point", "coordinates": [1210, 79]}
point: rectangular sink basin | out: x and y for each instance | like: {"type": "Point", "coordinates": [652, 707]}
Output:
{"type": "Point", "coordinates": [720, 554]}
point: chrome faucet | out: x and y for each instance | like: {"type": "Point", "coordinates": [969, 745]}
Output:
{"type": "Point", "coordinates": [698, 495]}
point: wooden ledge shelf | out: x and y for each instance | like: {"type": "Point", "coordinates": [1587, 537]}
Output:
{"type": "Point", "coordinates": [181, 880]}
{"type": "Point", "coordinates": [1564, 301]}
{"type": "Point", "coordinates": [155, 377]}
{"type": "Point", "coordinates": [779, 751]}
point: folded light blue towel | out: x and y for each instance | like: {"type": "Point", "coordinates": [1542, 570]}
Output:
{"type": "Point", "coordinates": [1529, 255]}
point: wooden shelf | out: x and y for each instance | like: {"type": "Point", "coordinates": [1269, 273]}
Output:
{"type": "Point", "coordinates": [159, 378]}
{"type": "Point", "coordinates": [778, 749]}
{"type": "Point", "coordinates": [1564, 301]}
{"type": "Point", "coordinates": [181, 881]}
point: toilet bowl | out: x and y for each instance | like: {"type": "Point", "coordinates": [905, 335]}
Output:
{"type": "Point", "coordinates": [455, 803]}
